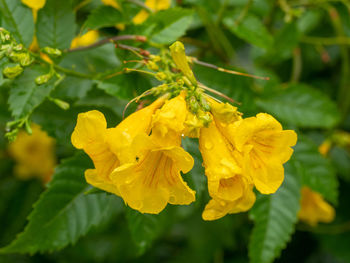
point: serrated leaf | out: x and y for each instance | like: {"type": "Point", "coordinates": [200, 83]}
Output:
{"type": "Point", "coordinates": [55, 26]}
{"type": "Point", "coordinates": [18, 20]}
{"type": "Point", "coordinates": [145, 228]}
{"type": "Point", "coordinates": [121, 86]}
{"type": "Point", "coordinates": [165, 27]}
{"type": "Point", "coordinates": [303, 106]}
{"type": "Point", "coordinates": [341, 160]}
{"type": "Point", "coordinates": [250, 28]}
{"type": "Point", "coordinates": [63, 213]}
{"type": "Point", "coordinates": [316, 171]}
{"type": "Point", "coordinates": [103, 16]}
{"type": "Point", "coordinates": [275, 217]}
{"type": "Point", "coordinates": [25, 95]}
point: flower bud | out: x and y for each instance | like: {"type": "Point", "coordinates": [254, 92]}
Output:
{"type": "Point", "coordinates": [12, 72]}
{"type": "Point", "coordinates": [177, 51]}
{"type": "Point", "coordinates": [53, 52]}
{"type": "Point", "coordinates": [43, 79]}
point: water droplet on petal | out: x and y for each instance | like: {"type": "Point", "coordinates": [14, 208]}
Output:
{"type": "Point", "coordinates": [208, 145]}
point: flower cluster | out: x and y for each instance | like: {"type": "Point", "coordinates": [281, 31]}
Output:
{"type": "Point", "coordinates": [141, 159]}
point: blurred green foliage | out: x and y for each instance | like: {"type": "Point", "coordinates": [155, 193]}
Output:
{"type": "Point", "coordinates": [301, 45]}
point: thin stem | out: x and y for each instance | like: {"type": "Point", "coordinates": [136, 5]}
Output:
{"type": "Point", "coordinates": [217, 93]}
{"type": "Point", "coordinates": [297, 65]}
{"type": "Point", "coordinates": [205, 64]}
{"type": "Point", "coordinates": [109, 40]}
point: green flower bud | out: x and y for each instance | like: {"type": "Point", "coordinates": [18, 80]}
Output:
{"type": "Point", "coordinates": [161, 76]}
{"type": "Point", "coordinates": [43, 79]}
{"type": "Point", "coordinates": [12, 72]}
{"type": "Point", "coordinates": [53, 52]}
{"type": "Point", "coordinates": [193, 104]}
{"type": "Point", "coordinates": [62, 104]}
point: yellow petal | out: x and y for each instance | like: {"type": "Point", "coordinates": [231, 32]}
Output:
{"type": "Point", "coordinates": [94, 178]}
{"type": "Point", "coordinates": [314, 209]}
{"type": "Point", "coordinates": [217, 208]}
{"type": "Point", "coordinates": [139, 122]}
{"type": "Point", "coordinates": [224, 112]}
{"type": "Point", "coordinates": [220, 165]}
{"type": "Point", "coordinates": [90, 135]}
{"type": "Point", "coordinates": [169, 120]}
{"type": "Point", "coordinates": [34, 4]}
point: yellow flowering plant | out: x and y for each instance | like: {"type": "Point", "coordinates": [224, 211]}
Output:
{"type": "Point", "coordinates": [238, 153]}
{"type": "Point", "coordinates": [161, 153]}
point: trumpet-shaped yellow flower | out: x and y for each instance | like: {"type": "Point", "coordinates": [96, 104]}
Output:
{"type": "Point", "coordinates": [169, 120]}
{"type": "Point", "coordinates": [34, 154]}
{"type": "Point", "coordinates": [155, 5]}
{"type": "Point", "coordinates": [154, 179]}
{"type": "Point", "coordinates": [85, 40]}
{"type": "Point", "coordinates": [231, 191]}
{"type": "Point", "coordinates": [265, 147]}
{"type": "Point", "coordinates": [314, 208]}
{"type": "Point", "coordinates": [109, 148]}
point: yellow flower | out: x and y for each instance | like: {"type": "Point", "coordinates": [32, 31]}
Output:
{"type": "Point", "coordinates": [314, 208]}
{"type": "Point", "coordinates": [325, 147]}
{"type": "Point", "coordinates": [169, 120]}
{"type": "Point", "coordinates": [106, 147]}
{"type": "Point", "coordinates": [34, 154]}
{"type": "Point", "coordinates": [154, 179]}
{"type": "Point", "coordinates": [87, 39]}
{"type": "Point", "coordinates": [265, 147]}
{"type": "Point", "coordinates": [230, 190]}
{"type": "Point", "coordinates": [35, 5]}
{"type": "Point", "coordinates": [155, 5]}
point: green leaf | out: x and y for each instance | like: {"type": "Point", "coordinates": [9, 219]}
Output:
{"type": "Point", "coordinates": [165, 27]}
{"type": "Point", "coordinates": [63, 213]}
{"type": "Point", "coordinates": [303, 106]}
{"type": "Point", "coordinates": [18, 20]}
{"type": "Point", "coordinates": [124, 86]}
{"type": "Point", "coordinates": [275, 217]}
{"type": "Point", "coordinates": [316, 171]}
{"type": "Point", "coordinates": [104, 16]}
{"type": "Point", "coordinates": [341, 159]}
{"type": "Point", "coordinates": [145, 228]}
{"type": "Point", "coordinates": [55, 26]}
{"type": "Point", "coordinates": [196, 176]}
{"type": "Point", "coordinates": [250, 28]}
{"type": "Point", "coordinates": [25, 95]}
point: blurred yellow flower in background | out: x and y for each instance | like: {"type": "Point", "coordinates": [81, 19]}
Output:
{"type": "Point", "coordinates": [155, 5]}
{"type": "Point", "coordinates": [85, 40]}
{"type": "Point", "coordinates": [34, 154]}
{"type": "Point", "coordinates": [314, 209]}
